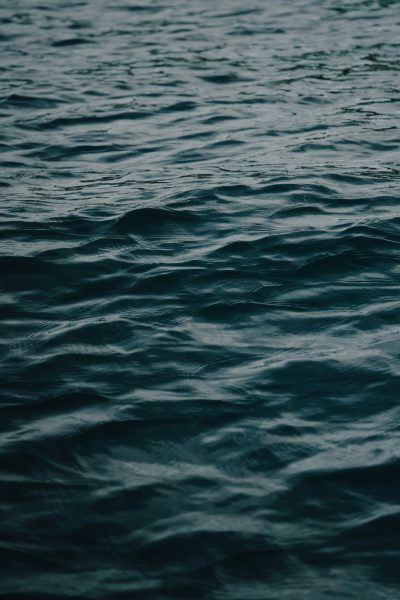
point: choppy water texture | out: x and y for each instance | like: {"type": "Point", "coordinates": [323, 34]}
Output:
{"type": "Point", "coordinates": [200, 298]}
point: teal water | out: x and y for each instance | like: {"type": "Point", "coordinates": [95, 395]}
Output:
{"type": "Point", "coordinates": [199, 284]}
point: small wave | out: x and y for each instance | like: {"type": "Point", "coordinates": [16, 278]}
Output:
{"type": "Point", "coordinates": [141, 220]}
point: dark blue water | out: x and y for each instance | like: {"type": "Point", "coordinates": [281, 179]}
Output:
{"type": "Point", "coordinates": [200, 231]}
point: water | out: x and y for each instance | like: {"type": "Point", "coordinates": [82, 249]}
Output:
{"type": "Point", "coordinates": [200, 298]}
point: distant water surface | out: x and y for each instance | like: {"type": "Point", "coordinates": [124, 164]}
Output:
{"type": "Point", "coordinates": [199, 268]}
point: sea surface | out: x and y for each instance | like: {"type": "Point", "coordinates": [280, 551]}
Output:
{"type": "Point", "coordinates": [199, 276]}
